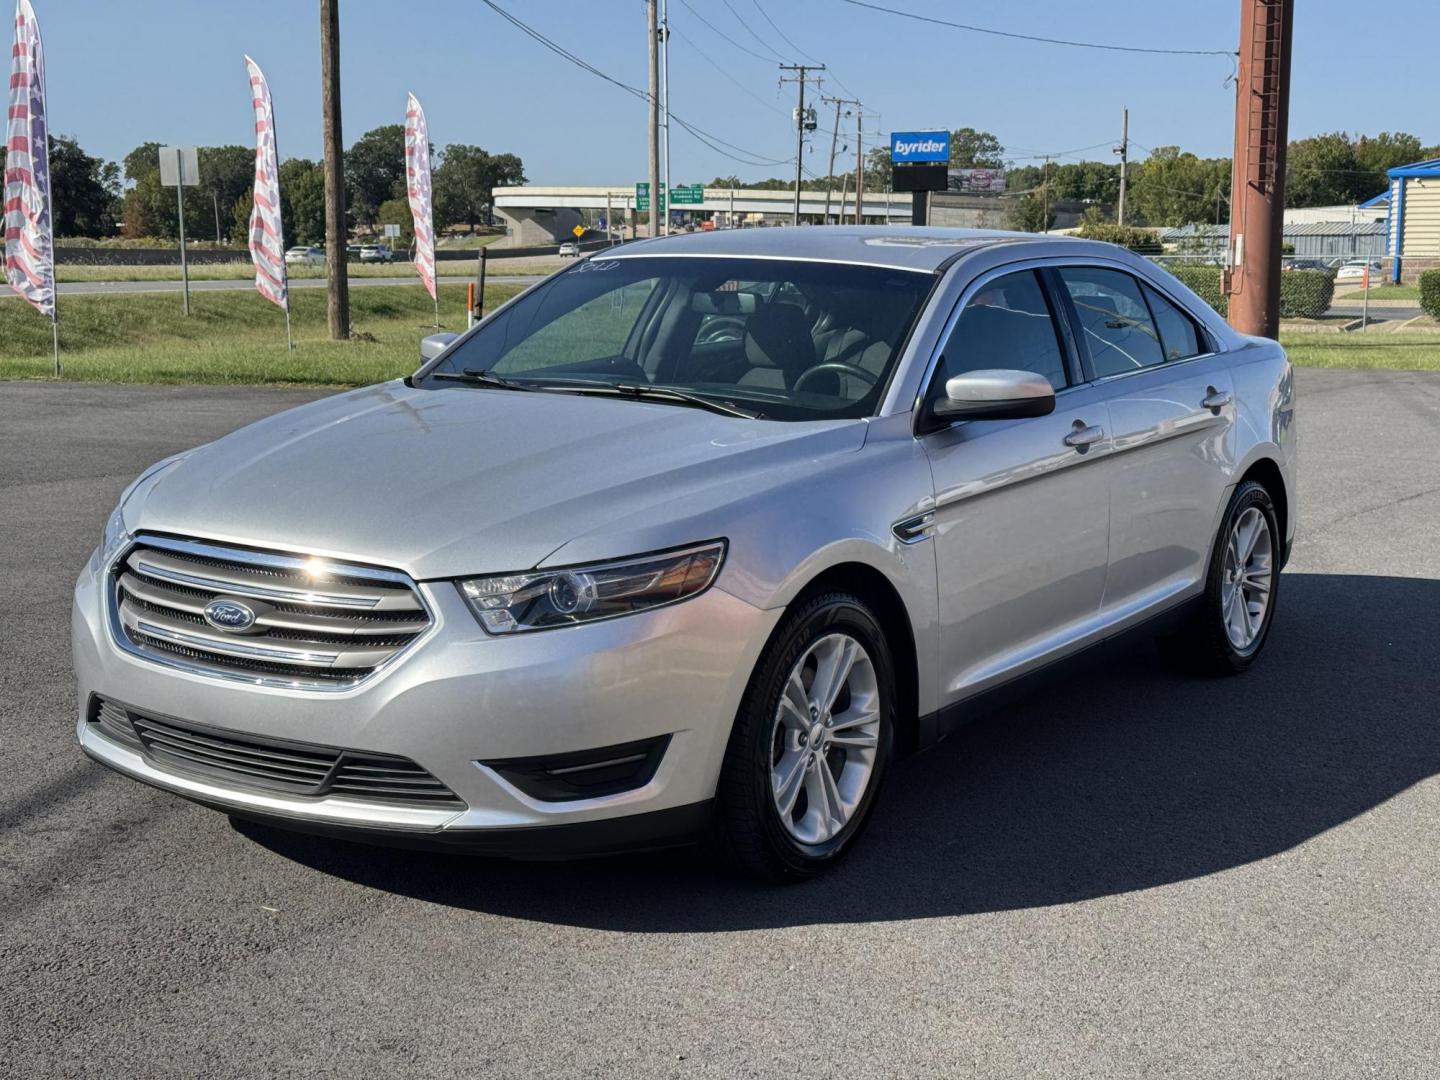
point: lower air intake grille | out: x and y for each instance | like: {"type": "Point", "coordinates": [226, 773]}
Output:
{"type": "Point", "coordinates": [275, 765]}
{"type": "Point", "coordinates": [584, 774]}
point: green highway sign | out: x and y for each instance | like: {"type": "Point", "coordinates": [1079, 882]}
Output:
{"type": "Point", "coordinates": [642, 196]}
{"type": "Point", "coordinates": [691, 194]}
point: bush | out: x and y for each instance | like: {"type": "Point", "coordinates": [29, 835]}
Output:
{"type": "Point", "coordinates": [1306, 294]}
{"type": "Point", "coordinates": [1140, 241]}
{"type": "Point", "coordinates": [1430, 293]}
{"type": "Point", "coordinates": [1204, 281]}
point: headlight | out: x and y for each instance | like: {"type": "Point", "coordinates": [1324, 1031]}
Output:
{"type": "Point", "coordinates": [541, 599]}
{"type": "Point", "coordinates": [114, 537]}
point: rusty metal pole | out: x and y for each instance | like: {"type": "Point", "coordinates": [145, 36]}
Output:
{"type": "Point", "coordinates": [1257, 203]}
{"type": "Point", "coordinates": [335, 231]}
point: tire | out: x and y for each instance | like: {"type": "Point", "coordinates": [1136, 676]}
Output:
{"type": "Point", "coordinates": [848, 741]}
{"type": "Point", "coordinates": [1225, 636]}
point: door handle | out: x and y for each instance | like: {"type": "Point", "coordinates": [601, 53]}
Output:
{"type": "Point", "coordinates": [1215, 400]}
{"type": "Point", "coordinates": [1082, 436]}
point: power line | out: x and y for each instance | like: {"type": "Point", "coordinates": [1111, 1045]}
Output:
{"type": "Point", "coordinates": [1036, 38]}
{"type": "Point", "coordinates": [727, 37]}
{"type": "Point", "coordinates": [709, 139]}
{"type": "Point", "coordinates": [751, 31]}
{"type": "Point", "coordinates": [785, 38]}
{"type": "Point", "coordinates": [777, 30]}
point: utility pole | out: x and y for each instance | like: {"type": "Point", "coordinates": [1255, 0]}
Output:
{"type": "Point", "coordinates": [665, 95]}
{"type": "Point", "coordinates": [1045, 193]}
{"type": "Point", "coordinates": [338, 286]}
{"type": "Point", "coordinates": [834, 137]}
{"type": "Point", "coordinates": [653, 30]}
{"type": "Point", "coordinates": [1124, 151]}
{"type": "Point", "coordinates": [802, 123]}
{"type": "Point", "coordinates": [1257, 192]}
{"type": "Point", "coordinates": [859, 161]}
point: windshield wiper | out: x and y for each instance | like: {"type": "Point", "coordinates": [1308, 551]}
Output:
{"type": "Point", "coordinates": [483, 378]}
{"type": "Point", "coordinates": [663, 393]}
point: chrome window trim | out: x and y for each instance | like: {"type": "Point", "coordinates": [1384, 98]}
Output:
{"type": "Point", "coordinates": [1054, 262]}
{"type": "Point", "coordinates": [252, 556]}
{"type": "Point", "coordinates": [715, 256]}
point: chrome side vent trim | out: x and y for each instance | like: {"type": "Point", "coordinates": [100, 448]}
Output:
{"type": "Point", "coordinates": [914, 529]}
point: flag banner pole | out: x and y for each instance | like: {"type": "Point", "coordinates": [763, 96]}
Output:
{"type": "Point", "coordinates": [29, 218]}
{"type": "Point", "coordinates": [417, 189]}
{"type": "Point", "coordinates": [267, 239]}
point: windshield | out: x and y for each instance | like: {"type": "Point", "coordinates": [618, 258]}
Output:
{"type": "Point", "coordinates": [789, 340]}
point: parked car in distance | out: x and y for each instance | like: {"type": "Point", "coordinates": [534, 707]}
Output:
{"type": "Point", "coordinates": [376, 253]}
{"type": "Point", "coordinates": [569, 249]}
{"type": "Point", "coordinates": [692, 540]}
{"type": "Point", "coordinates": [1354, 270]}
{"type": "Point", "coordinates": [305, 256]}
{"type": "Point", "coordinates": [352, 252]}
{"type": "Point", "coordinates": [1304, 264]}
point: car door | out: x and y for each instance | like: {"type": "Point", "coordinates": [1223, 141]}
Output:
{"type": "Point", "coordinates": [1021, 506]}
{"type": "Point", "coordinates": [1171, 415]}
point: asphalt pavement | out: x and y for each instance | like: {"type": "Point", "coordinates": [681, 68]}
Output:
{"type": "Point", "coordinates": [1136, 874]}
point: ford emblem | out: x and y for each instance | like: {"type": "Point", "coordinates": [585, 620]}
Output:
{"type": "Point", "coordinates": [230, 615]}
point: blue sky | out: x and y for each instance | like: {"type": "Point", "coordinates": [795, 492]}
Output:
{"type": "Point", "coordinates": [124, 71]}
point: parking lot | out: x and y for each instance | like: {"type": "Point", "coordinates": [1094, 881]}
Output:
{"type": "Point", "coordinates": [1169, 875]}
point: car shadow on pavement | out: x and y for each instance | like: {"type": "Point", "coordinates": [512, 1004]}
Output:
{"type": "Point", "coordinates": [1127, 777]}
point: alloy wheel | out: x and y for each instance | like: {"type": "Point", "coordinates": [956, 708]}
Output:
{"type": "Point", "coordinates": [825, 737]}
{"type": "Point", "coordinates": [1245, 587]}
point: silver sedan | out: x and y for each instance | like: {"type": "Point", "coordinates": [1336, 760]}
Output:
{"type": "Point", "coordinates": [691, 540]}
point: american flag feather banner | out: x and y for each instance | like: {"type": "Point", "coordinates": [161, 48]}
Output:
{"type": "Point", "coordinates": [29, 236]}
{"type": "Point", "coordinates": [267, 239]}
{"type": "Point", "coordinates": [417, 183]}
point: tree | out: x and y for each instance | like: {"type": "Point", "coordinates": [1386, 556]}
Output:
{"type": "Point", "coordinates": [1029, 212]}
{"type": "Point", "coordinates": [971, 149]}
{"type": "Point", "coordinates": [306, 197]}
{"type": "Point", "coordinates": [225, 172]}
{"type": "Point", "coordinates": [375, 171]}
{"type": "Point", "coordinates": [878, 170]}
{"type": "Point", "coordinates": [82, 190]}
{"type": "Point", "coordinates": [1175, 188]}
{"type": "Point", "coordinates": [397, 212]}
{"type": "Point", "coordinates": [1323, 171]}
{"type": "Point", "coordinates": [465, 179]}
{"type": "Point", "coordinates": [1087, 181]}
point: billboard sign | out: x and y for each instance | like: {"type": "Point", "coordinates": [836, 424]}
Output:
{"type": "Point", "coordinates": [977, 181]}
{"type": "Point", "coordinates": [915, 147]}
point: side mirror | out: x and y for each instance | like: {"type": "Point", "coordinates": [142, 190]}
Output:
{"type": "Point", "coordinates": [995, 394]}
{"type": "Point", "coordinates": [434, 345]}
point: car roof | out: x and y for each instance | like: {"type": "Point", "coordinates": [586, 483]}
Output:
{"type": "Point", "coordinates": [922, 248]}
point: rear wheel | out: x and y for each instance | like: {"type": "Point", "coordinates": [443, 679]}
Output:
{"type": "Point", "coordinates": [1230, 627]}
{"type": "Point", "coordinates": [811, 742]}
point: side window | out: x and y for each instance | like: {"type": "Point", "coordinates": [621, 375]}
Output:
{"type": "Point", "coordinates": [1178, 333]}
{"type": "Point", "coordinates": [1114, 320]}
{"type": "Point", "coordinates": [1007, 324]}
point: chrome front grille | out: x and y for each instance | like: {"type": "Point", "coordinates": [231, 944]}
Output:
{"type": "Point", "coordinates": [295, 768]}
{"type": "Point", "coordinates": [312, 623]}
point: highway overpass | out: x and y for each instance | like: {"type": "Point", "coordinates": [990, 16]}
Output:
{"type": "Point", "coordinates": [535, 215]}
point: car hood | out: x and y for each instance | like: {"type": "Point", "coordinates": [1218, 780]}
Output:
{"type": "Point", "coordinates": [463, 480]}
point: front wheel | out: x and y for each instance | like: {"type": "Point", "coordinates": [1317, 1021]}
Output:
{"type": "Point", "coordinates": [810, 744]}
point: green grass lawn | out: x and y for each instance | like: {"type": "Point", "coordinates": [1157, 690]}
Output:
{"type": "Point", "coordinates": [236, 337]}
{"type": "Point", "coordinates": [1378, 292]}
{"type": "Point", "coordinates": [463, 268]}
{"type": "Point", "coordinates": [231, 337]}
{"type": "Point", "coordinates": [1406, 352]}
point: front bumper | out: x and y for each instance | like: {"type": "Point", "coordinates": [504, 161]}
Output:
{"type": "Point", "coordinates": [457, 698]}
